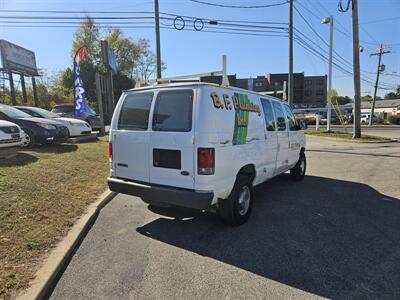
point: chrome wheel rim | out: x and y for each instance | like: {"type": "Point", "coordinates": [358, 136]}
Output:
{"type": "Point", "coordinates": [244, 200]}
{"type": "Point", "coordinates": [27, 140]}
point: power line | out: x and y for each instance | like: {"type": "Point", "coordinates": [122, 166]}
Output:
{"type": "Point", "coordinates": [342, 31]}
{"type": "Point", "coordinates": [134, 12]}
{"type": "Point", "coordinates": [380, 20]}
{"type": "Point", "coordinates": [305, 45]}
{"type": "Point", "coordinates": [74, 11]}
{"type": "Point", "coordinates": [238, 6]}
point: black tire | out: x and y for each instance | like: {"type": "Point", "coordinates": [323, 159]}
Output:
{"type": "Point", "coordinates": [230, 210]}
{"type": "Point", "coordinates": [298, 172]}
{"type": "Point", "coordinates": [30, 139]}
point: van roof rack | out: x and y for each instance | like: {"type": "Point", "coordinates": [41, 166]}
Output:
{"type": "Point", "coordinates": [225, 80]}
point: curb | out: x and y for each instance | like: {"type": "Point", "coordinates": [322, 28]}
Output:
{"type": "Point", "coordinates": [389, 140]}
{"type": "Point", "coordinates": [60, 255]}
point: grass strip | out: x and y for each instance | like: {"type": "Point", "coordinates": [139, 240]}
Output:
{"type": "Point", "coordinates": [42, 193]}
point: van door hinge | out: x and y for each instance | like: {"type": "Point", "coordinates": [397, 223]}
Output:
{"type": "Point", "coordinates": [193, 139]}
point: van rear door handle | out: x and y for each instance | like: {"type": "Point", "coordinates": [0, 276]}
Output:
{"type": "Point", "coordinates": [253, 139]}
{"type": "Point", "coordinates": [225, 142]}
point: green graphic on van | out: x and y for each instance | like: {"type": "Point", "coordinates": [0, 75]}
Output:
{"type": "Point", "coordinates": [241, 118]}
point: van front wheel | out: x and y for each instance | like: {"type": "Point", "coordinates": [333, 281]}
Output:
{"type": "Point", "coordinates": [299, 170]}
{"type": "Point", "coordinates": [236, 209]}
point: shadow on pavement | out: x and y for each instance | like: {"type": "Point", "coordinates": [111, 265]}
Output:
{"type": "Point", "coordinates": [333, 238]}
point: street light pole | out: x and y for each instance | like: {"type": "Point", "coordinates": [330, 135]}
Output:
{"type": "Point", "coordinates": [328, 117]}
{"type": "Point", "coordinates": [290, 74]}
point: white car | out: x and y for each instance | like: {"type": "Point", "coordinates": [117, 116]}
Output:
{"type": "Point", "coordinates": [75, 127]}
{"type": "Point", "coordinates": [202, 145]}
{"type": "Point", "coordinates": [11, 135]}
{"type": "Point", "coordinates": [364, 119]}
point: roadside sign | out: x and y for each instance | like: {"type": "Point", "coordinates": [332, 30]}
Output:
{"type": "Point", "coordinates": [17, 59]}
{"type": "Point", "coordinates": [109, 57]}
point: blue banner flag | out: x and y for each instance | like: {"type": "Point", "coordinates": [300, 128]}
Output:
{"type": "Point", "coordinates": [79, 91]}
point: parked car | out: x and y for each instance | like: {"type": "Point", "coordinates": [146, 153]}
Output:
{"type": "Point", "coordinates": [38, 130]}
{"type": "Point", "coordinates": [11, 135]}
{"type": "Point", "coordinates": [200, 145]}
{"type": "Point", "coordinates": [75, 127]}
{"type": "Point", "coordinates": [90, 116]}
{"type": "Point", "coordinates": [364, 118]}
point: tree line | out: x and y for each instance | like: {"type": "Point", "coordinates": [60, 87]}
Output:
{"type": "Point", "coordinates": [136, 62]}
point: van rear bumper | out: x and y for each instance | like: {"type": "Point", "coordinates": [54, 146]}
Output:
{"type": "Point", "coordinates": [154, 194]}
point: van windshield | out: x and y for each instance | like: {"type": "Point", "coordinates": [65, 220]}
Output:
{"type": "Point", "coordinates": [135, 110]}
{"type": "Point", "coordinates": [173, 111]}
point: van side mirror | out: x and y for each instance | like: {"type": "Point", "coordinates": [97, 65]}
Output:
{"type": "Point", "coordinates": [303, 124]}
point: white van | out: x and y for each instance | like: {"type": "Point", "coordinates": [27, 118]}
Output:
{"type": "Point", "coordinates": [202, 145]}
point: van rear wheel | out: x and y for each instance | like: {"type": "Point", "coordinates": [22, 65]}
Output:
{"type": "Point", "coordinates": [236, 209]}
{"type": "Point", "coordinates": [299, 170]}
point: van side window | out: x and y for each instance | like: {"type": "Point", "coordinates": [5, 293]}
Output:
{"type": "Point", "coordinates": [173, 111]}
{"type": "Point", "coordinates": [268, 114]}
{"type": "Point", "coordinates": [291, 119]}
{"type": "Point", "coordinates": [280, 116]}
{"type": "Point", "coordinates": [135, 110]}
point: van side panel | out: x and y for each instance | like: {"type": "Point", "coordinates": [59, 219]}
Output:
{"type": "Point", "coordinates": [231, 122]}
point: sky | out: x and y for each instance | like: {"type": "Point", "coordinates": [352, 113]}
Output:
{"type": "Point", "coordinates": [189, 52]}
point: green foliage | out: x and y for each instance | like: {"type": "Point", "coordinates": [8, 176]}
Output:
{"type": "Point", "coordinates": [393, 95]}
{"type": "Point", "coordinates": [366, 98]}
{"type": "Point", "coordinates": [394, 119]}
{"type": "Point", "coordinates": [121, 82]}
{"type": "Point", "coordinates": [126, 51]}
{"type": "Point", "coordinates": [339, 100]}
{"type": "Point", "coordinates": [88, 35]}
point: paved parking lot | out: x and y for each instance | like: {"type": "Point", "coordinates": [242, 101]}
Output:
{"type": "Point", "coordinates": [334, 235]}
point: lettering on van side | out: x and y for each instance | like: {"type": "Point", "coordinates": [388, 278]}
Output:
{"type": "Point", "coordinates": [243, 106]}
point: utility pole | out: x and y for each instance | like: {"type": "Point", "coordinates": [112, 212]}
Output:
{"type": "Point", "coordinates": [290, 75]}
{"type": "Point", "coordinates": [379, 53]}
{"type": "Point", "coordinates": [158, 49]}
{"type": "Point", "coordinates": [356, 72]}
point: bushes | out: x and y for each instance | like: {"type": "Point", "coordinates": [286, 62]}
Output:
{"type": "Point", "coordinates": [394, 119]}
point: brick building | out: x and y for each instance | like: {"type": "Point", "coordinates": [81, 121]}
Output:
{"type": "Point", "coordinates": [309, 91]}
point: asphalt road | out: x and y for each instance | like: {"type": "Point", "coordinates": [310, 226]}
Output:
{"type": "Point", "coordinates": [387, 131]}
{"type": "Point", "coordinates": [334, 235]}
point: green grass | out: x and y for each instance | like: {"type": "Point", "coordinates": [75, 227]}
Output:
{"type": "Point", "coordinates": [346, 136]}
{"type": "Point", "coordinates": [42, 193]}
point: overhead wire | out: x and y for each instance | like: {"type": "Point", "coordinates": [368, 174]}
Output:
{"type": "Point", "coordinates": [238, 6]}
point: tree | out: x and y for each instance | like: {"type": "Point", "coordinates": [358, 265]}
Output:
{"type": "Point", "coordinates": [339, 100]}
{"type": "Point", "coordinates": [394, 95]}
{"type": "Point", "coordinates": [88, 35]}
{"type": "Point", "coordinates": [147, 64]}
{"type": "Point", "coordinates": [126, 51]}
{"type": "Point", "coordinates": [367, 98]}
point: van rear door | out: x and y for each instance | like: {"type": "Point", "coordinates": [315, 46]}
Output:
{"type": "Point", "coordinates": [172, 139]}
{"type": "Point", "coordinates": [130, 138]}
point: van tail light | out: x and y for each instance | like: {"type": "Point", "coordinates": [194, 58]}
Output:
{"type": "Point", "coordinates": [110, 151]}
{"type": "Point", "coordinates": [205, 161]}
